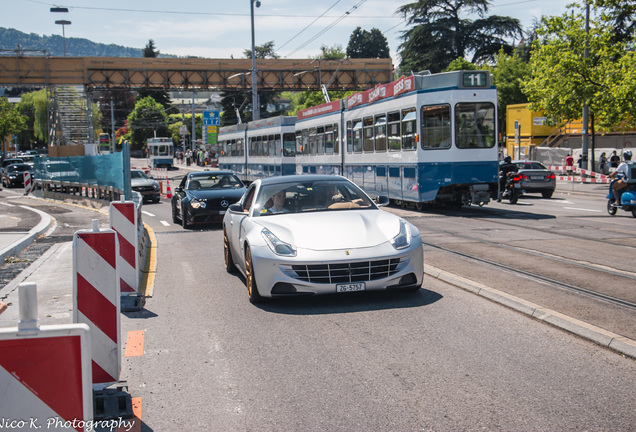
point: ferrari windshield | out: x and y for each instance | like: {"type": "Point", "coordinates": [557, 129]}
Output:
{"type": "Point", "coordinates": [310, 196]}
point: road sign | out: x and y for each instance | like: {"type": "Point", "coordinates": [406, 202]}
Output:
{"type": "Point", "coordinates": [211, 118]}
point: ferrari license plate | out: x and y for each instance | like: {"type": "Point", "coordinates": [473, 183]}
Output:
{"type": "Point", "coordinates": [350, 287]}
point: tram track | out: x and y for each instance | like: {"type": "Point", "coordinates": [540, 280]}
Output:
{"type": "Point", "coordinates": [540, 278]}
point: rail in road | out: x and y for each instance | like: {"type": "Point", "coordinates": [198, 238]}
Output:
{"type": "Point", "coordinates": [580, 265]}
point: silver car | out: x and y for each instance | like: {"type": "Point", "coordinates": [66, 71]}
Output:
{"type": "Point", "coordinates": [148, 187]}
{"type": "Point", "coordinates": [315, 234]}
{"type": "Point", "coordinates": [536, 178]}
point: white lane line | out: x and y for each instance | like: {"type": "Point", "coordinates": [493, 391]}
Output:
{"type": "Point", "coordinates": [582, 209]}
{"type": "Point", "coordinates": [7, 204]}
{"type": "Point", "coordinates": [147, 213]}
{"type": "Point", "coordinates": [164, 223]}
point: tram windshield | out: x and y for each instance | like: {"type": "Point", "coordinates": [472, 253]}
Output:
{"type": "Point", "coordinates": [475, 125]}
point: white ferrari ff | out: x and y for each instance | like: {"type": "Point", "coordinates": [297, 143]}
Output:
{"type": "Point", "coordinates": [318, 234]}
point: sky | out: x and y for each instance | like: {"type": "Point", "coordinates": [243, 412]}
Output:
{"type": "Point", "coordinates": [221, 29]}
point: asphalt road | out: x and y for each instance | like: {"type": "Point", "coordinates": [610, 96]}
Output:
{"type": "Point", "coordinates": [440, 359]}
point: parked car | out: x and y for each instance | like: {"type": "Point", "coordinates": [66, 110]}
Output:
{"type": "Point", "coordinates": [204, 196]}
{"type": "Point", "coordinates": [57, 170]}
{"type": "Point", "coordinates": [146, 186]}
{"type": "Point", "coordinates": [13, 175]}
{"type": "Point", "coordinates": [318, 234]}
{"type": "Point", "coordinates": [536, 178]}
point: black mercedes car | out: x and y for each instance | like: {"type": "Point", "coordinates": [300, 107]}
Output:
{"type": "Point", "coordinates": [203, 197]}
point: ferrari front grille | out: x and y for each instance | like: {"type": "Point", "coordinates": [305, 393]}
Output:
{"type": "Point", "coordinates": [346, 272]}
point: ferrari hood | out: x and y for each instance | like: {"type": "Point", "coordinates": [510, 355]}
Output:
{"type": "Point", "coordinates": [333, 230]}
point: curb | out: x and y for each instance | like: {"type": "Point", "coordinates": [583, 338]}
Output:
{"type": "Point", "coordinates": [19, 245]}
{"type": "Point", "coordinates": [614, 342]}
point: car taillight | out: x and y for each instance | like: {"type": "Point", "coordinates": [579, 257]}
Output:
{"type": "Point", "coordinates": [551, 176]}
{"type": "Point", "coordinates": [516, 177]}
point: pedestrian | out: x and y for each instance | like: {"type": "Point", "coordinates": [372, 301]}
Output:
{"type": "Point", "coordinates": [602, 163]}
{"type": "Point", "coordinates": [569, 163]}
{"type": "Point", "coordinates": [614, 160]}
{"type": "Point", "coordinates": [579, 162]}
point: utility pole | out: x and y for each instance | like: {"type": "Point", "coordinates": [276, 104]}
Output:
{"type": "Point", "coordinates": [586, 120]}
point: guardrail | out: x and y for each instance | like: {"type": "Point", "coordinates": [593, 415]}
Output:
{"type": "Point", "coordinates": [108, 193]}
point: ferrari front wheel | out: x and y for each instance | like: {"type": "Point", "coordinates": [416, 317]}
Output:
{"type": "Point", "coordinates": [250, 280]}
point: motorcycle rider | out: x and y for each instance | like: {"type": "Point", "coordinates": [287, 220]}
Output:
{"type": "Point", "coordinates": [504, 169]}
{"type": "Point", "coordinates": [622, 168]}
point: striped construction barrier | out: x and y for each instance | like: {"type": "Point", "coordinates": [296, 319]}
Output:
{"type": "Point", "coordinates": [123, 220]}
{"type": "Point", "coordinates": [584, 176]}
{"type": "Point", "coordinates": [96, 299]}
{"type": "Point", "coordinates": [45, 372]}
{"type": "Point", "coordinates": [28, 185]}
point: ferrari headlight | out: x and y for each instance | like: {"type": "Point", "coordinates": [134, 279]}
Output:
{"type": "Point", "coordinates": [403, 238]}
{"type": "Point", "coordinates": [278, 246]}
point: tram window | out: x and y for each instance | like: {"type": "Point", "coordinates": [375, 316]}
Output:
{"type": "Point", "coordinates": [299, 141]}
{"type": "Point", "coordinates": [357, 136]}
{"type": "Point", "coordinates": [305, 141]}
{"type": "Point", "coordinates": [240, 147]}
{"type": "Point", "coordinates": [276, 145]}
{"type": "Point", "coordinates": [394, 135]}
{"type": "Point", "coordinates": [409, 129]}
{"type": "Point", "coordinates": [368, 134]}
{"type": "Point", "coordinates": [329, 139]}
{"type": "Point", "coordinates": [436, 127]}
{"type": "Point", "coordinates": [320, 140]}
{"type": "Point", "coordinates": [380, 133]}
{"type": "Point", "coordinates": [312, 141]}
{"type": "Point", "coordinates": [349, 136]}
{"type": "Point", "coordinates": [336, 142]}
{"type": "Point", "coordinates": [289, 144]}
{"type": "Point", "coordinates": [475, 125]}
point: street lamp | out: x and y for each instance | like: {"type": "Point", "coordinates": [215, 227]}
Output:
{"type": "Point", "coordinates": [255, 110]}
{"type": "Point", "coordinates": [63, 23]}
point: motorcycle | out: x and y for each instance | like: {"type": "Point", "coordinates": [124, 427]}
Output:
{"type": "Point", "coordinates": [626, 201]}
{"type": "Point", "coordinates": [512, 191]}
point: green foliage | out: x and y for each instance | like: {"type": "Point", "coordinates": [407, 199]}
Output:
{"type": "Point", "coordinates": [365, 44]}
{"type": "Point", "coordinates": [147, 118]}
{"type": "Point", "coordinates": [563, 79]}
{"type": "Point", "coordinates": [150, 50]}
{"type": "Point", "coordinates": [334, 52]}
{"type": "Point", "coordinates": [11, 121]}
{"type": "Point", "coordinates": [307, 99]}
{"type": "Point", "coordinates": [460, 64]}
{"type": "Point", "coordinates": [175, 121]}
{"type": "Point", "coordinates": [34, 106]}
{"type": "Point", "coordinates": [443, 34]}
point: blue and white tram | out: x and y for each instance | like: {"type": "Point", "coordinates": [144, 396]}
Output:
{"type": "Point", "coordinates": [425, 139]}
{"type": "Point", "coordinates": [318, 139]}
{"type": "Point", "coordinates": [232, 149]}
{"type": "Point", "coordinates": [262, 148]}
{"type": "Point", "coordinates": [160, 152]}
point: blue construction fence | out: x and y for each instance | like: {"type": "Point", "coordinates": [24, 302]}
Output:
{"type": "Point", "coordinates": [102, 170]}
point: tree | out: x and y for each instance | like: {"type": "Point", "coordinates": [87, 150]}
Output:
{"type": "Point", "coordinates": [150, 50]}
{"type": "Point", "coordinates": [145, 120]}
{"type": "Point", "coordinates": [334, 52]}
{"type": "Point", "coordinates": [621, 16]}
{"type": "Point", "coordinates": [365, 44]}
{"type": "Point", "coordinates": [123, 103]}
{"type": "Point", "coordinates": [443, 35]}
{"type": "Point", "coordinates": [34, 106]}
{"type": "Point", "coordinates": [11, 121]}
{"type": "Point", "coordinates": [563, 79]}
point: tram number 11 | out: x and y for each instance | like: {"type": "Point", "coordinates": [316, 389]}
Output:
{"type": "Point", "coordinates": [475, 79]}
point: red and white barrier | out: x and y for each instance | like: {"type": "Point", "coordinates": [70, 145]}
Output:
{"type": "Point", "coordinates": [123, 219]}
{"type": "Point", "coordinates": [96, 298]}
{"type": "Point", "coordinates": [45, 372]}
{"type": "Point", "coordinates": [586, 176]}
{"type": "Point", "coordinates": [27, 183]}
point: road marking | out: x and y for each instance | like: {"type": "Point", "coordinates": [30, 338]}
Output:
{"type": "Point", "coordinates": [582, 209]}
{"type": "Point", "coordinates": [164, 223]}
{"type": "Point", "coordinates": [147, 213]}
{"type": "Point", "coordinates": [135, 344]}
{"type": "Point", "coordinates": [7, 204]}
